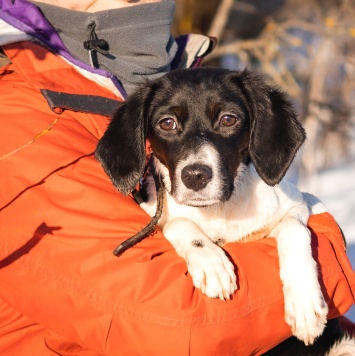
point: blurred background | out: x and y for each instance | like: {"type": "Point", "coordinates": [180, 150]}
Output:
{"type": "Point", "coordinates": [307, 47]}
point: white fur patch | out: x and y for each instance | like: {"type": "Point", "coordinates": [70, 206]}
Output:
{"type": "Point", "coordinates": [344, 347]}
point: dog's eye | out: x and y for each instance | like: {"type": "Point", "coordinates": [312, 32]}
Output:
{"type": "Point", "coordinates": [228, 120]}
{"type": "Point", "coordinates": [167, 124]}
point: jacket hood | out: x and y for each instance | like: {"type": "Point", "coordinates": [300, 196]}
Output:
{"type": "Point", "coordinates": [21, 20]}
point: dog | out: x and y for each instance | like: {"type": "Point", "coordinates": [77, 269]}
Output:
{"type": "Point", "coordinates": [222, 142]}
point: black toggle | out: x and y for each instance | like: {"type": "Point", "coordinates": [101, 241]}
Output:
{"type": "Point", "coordinates": [96, 43]}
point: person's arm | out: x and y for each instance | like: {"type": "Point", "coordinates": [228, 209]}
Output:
{"type": "Point", "coordinates": [61, 218]}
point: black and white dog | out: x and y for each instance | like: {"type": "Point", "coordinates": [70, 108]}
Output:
{"type": "Point", "coordinates": [222, 142]}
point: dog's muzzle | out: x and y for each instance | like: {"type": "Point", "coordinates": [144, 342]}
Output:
{"type": "Point", "coordinates": [196, 176]}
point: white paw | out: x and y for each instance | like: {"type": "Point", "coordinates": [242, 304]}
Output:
{"type": "Point", "coordinates": [306, 312]}
{"type": "Point", "coordinates": [211, 271]}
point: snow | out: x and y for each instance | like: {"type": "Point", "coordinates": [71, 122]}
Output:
{"type": "Point", "coordinates": [336, 188]}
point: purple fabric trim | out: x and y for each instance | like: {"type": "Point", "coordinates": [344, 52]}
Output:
{"type": "Point", "coordinates": [35, 24]}
{"type": "Point", "coordinates": [198, 60]}
{"type": "Point", "coordinates": [181, 42]}
{"type": "Point", "coordinates": [27, 17]}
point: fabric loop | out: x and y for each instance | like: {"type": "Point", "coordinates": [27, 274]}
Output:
{"type": "Point", "coordinates": [83, 103]}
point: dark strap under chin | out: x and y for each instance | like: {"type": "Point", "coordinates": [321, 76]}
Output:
{"type": "Point", "coordinates": [149, 229]}
{"type": "Point", "coordinates": [93, 104]}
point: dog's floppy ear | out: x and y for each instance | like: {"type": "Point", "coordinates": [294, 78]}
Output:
{"type": "Point", "coordinates": [121, 150]}
{"type": "Point", "coordinates": [275, 133]}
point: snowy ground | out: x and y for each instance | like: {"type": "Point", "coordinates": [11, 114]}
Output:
{"type": "Point", "coordinates": [336, 188]}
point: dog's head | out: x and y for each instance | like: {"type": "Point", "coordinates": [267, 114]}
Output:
{"type": "Point", "coordinates": [204, 125]}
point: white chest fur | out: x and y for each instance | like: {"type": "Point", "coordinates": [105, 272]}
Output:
{"type": "Point", "coordinates": [254, 209]}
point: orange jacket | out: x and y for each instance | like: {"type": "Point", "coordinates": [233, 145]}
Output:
{"type": "Point", "coordinates": [62, 291]}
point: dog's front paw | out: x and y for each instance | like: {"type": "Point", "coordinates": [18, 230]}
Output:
{"type": "Point", "coordinates": [211, 271]}
{"type": "Point", "coordinates": [306, 313]}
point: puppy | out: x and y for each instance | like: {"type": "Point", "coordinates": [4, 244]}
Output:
{"type": "Point", "coordinates": [222, 142]}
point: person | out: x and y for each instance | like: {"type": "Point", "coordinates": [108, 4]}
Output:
{"type": "Point", "coordinates": [66, 66]}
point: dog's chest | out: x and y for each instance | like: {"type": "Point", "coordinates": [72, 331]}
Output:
{"type": "Point", "coordinates": [250, 214]}
{"type": "Point", "coordinates": [225, 224]}
{"type": "Point", "coordinates": [230, 221]}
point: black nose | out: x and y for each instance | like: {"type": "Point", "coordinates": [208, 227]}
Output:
{"type": "Point", "coordinates": [196, 176]}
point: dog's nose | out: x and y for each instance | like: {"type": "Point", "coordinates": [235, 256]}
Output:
{"type": "Point", "coordinates": [196, 176]}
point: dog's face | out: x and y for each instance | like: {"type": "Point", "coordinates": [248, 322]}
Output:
{"type": "Point", "coordinates": [199, 132]}
{"type": "Point", "coordinates": [203, 125]}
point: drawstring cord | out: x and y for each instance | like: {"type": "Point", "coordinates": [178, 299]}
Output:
{"type": "Point", "coordinates": [94, 45]}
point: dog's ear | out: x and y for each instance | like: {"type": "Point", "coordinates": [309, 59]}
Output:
{"type": "Point", "coordinates": [121, 150]}
{"type": "Point", "coordinates": [275, 133]}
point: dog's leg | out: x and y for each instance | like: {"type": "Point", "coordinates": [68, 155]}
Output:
{"type": "Point", "coordinates": [305, 308]}
{"type": "Point", "coordinates": [208, 265]}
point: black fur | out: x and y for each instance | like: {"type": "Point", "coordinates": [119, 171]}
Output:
{"type": "Point", "coordinates": [294, 347]}
{"type": "Point", "coordinates": [121, 150]}
{"type": "Point", "coordinates": [198, 243]}
{"type": "Point", "coordinates": [268, 133]}
{"type": "Point", "coordinates": [276, 134]}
